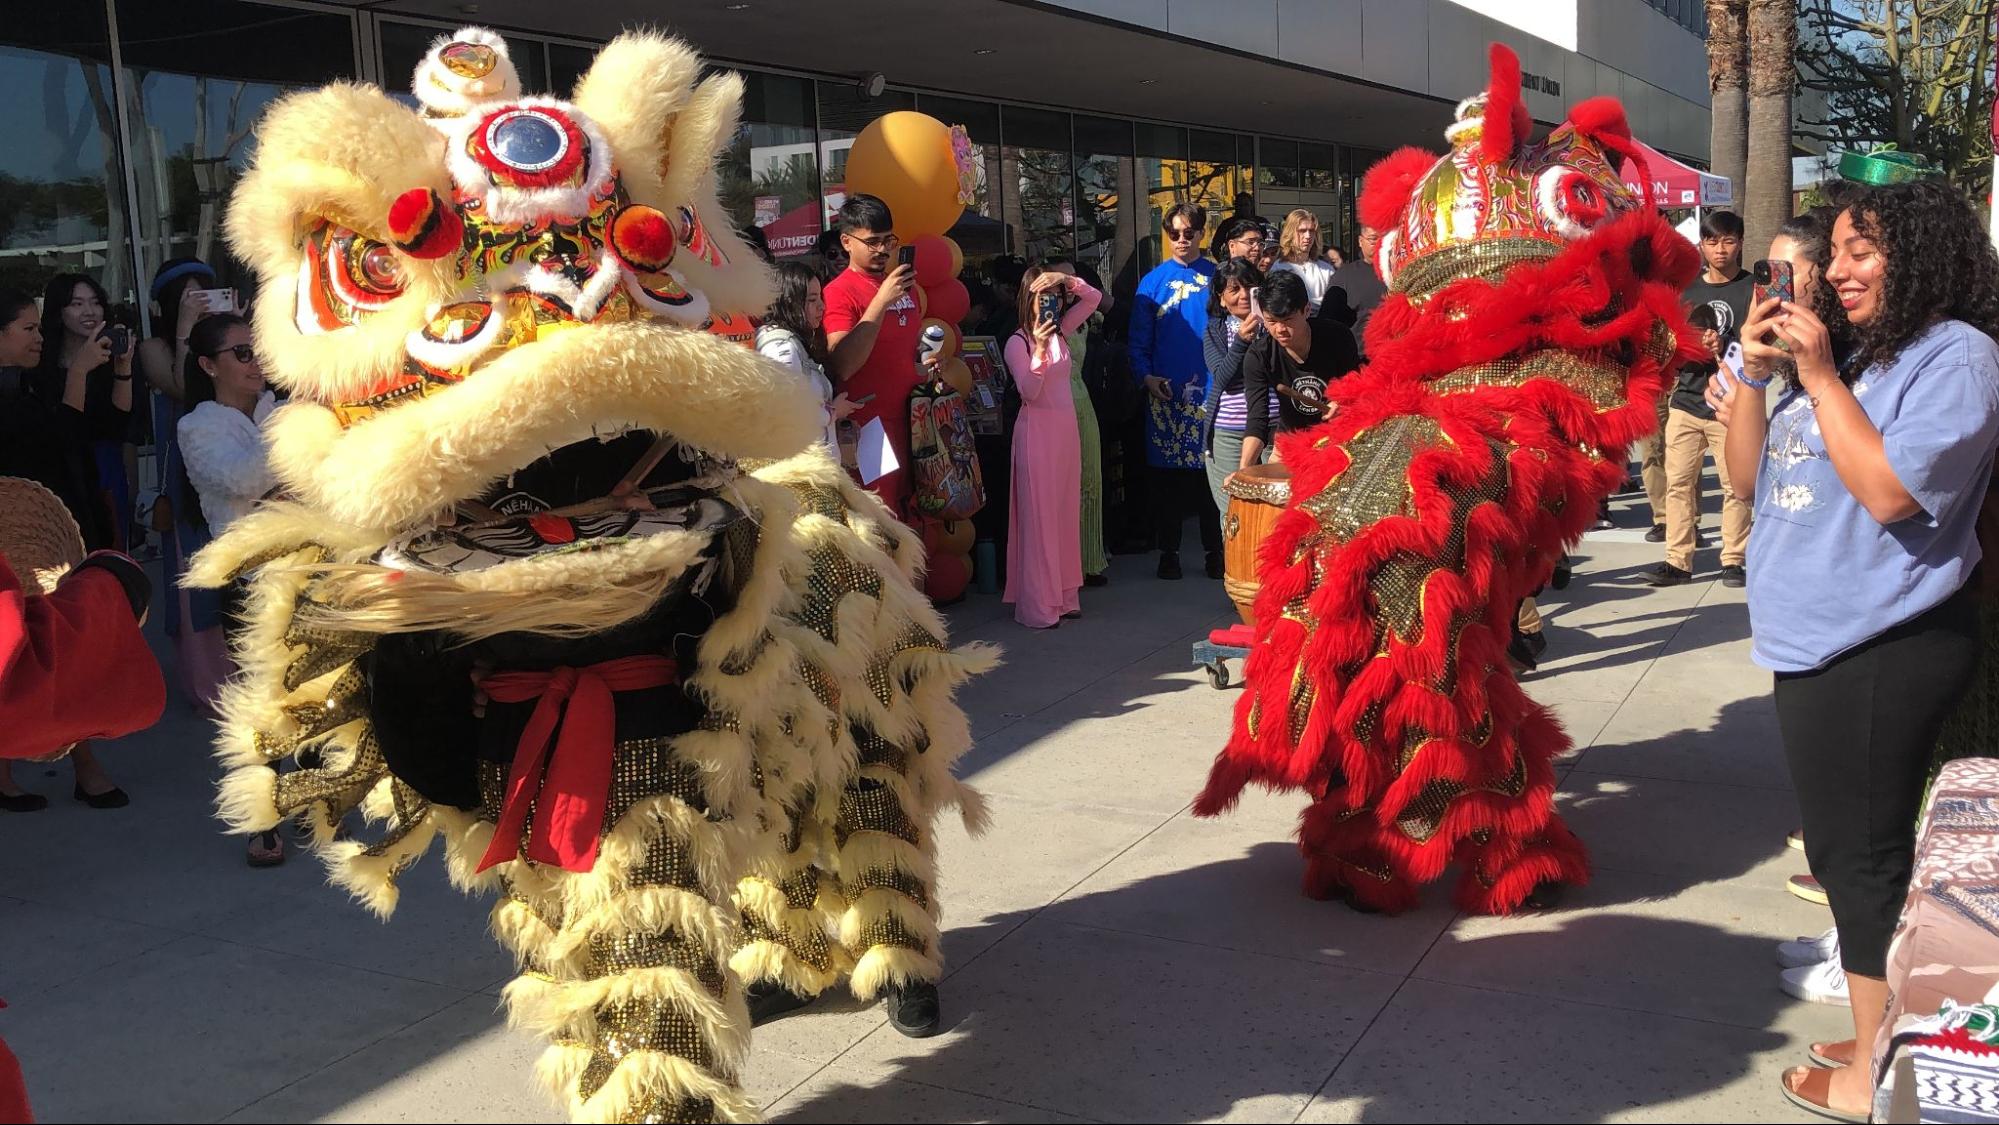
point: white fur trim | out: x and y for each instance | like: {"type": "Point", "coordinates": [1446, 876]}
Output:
{"type": "Point", "coordinates": [693, 314]}
{"type": "Point", "coordinates": [447, 354]}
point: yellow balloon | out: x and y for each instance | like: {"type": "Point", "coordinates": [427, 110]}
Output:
{"type": "Point", "coordinates": [905, 158]}
{"type": "Point", "coordinates": [957, 256]}
{"type": "Point", "coordinates": [957, 375]}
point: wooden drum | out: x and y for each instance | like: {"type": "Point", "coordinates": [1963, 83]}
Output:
{"type": "Point", "coordinates": [1256, 495]}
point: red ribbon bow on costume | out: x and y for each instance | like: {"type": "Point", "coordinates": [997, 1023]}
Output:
{"type": "Point", "coordinates": [562, 768]}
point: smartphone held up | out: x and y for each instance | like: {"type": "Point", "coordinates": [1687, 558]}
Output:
{"type": "Point", "coordinates": [1772, 277]}
{"type": "Point", "coordinates": [1048, 306]}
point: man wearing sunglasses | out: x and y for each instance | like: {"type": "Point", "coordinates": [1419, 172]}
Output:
{"type": "Point", "coordinates": [873, 327]}
{"type": "Point", "coordinates": [1167, 323]}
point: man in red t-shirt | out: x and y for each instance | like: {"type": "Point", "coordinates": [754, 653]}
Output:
{"type": "Point", "coordinates": [873, 326]}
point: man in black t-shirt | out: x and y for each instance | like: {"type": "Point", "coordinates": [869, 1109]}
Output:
{"type": "Point", "coordinates": [1297, 359]}
{"type": "Point", "coordinates": [1691, 432]}
{"type": "Point", "coordinates": [1724, 287]}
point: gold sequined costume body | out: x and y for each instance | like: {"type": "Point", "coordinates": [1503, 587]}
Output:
{"type": "Point", "coordinates": [549, 557]}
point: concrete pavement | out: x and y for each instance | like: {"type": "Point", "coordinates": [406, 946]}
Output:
{"type": "Point", "coordinates": [1112, 958]}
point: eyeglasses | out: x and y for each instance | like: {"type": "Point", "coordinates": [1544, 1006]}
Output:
{"type": "Point", "coordinates": [878, 243]}
{"type": "Point", "coordinates": [1184, 234]}
{"type": "Point", "coordinates": [244, 353]}
{"type": "Point", "coordinates": [1247, 241]}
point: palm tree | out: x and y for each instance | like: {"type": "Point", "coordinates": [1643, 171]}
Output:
{"type": "Point", "coordinates": [1773, 73]}
{"type": "Point", "coordinates": [1728, 81]}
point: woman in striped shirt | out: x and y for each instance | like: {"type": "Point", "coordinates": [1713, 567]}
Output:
{"type": "Point", "coordinates": [1231, 330]}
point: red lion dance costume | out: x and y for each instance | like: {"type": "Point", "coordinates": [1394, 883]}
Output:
{"type": "Point", "coordinates": [1531, 323]}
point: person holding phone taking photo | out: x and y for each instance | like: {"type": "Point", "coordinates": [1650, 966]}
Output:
{"type": "Point", "coordinates": [1867, 482]}
{"type": "Point", "coordinates": [1234, 323]}
{"type": "Point", "coordinates": [872, 328]}
{"type": "Point", "coordinates": [1044, 551]}
{"type": "Point", "coordinates": [1292, 368]}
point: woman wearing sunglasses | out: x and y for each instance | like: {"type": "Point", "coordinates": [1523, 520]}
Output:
{"type": "Point", "coordinates": [228, 471]}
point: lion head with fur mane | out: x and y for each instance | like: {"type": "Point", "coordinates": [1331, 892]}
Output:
{"type": "Point", "coordinates": [488, 315]}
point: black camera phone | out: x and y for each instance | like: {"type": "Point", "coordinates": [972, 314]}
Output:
{"type": "Point", "coordinates": [906, 256]}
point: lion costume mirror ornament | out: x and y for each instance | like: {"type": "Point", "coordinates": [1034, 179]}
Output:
{"type": "Point", "coordinates": [1532, 321]}
{"type": "Point", "coordinates": [562, 579]}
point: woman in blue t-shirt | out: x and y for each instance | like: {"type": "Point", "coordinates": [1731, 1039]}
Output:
{"type": "Point", "coordinates": [1868, 481]}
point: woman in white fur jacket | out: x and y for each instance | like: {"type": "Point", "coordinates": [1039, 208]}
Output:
{"type": "Point", "coordinates": [221, 437]}
{"type": "Point", "coordinates": [228, 469]}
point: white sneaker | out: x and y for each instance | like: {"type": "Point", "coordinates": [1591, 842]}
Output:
{"type": "Point", "coordinates": [1823, 983]}
{"type": "Point", "coordinates": [1809, 950]}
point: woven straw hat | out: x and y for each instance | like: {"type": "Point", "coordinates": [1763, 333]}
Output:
{"type": "Point", "coordinates": [38, 536]}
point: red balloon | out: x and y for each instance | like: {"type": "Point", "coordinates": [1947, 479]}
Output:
{"type": "Point", "coordinates": [933, 260]}
{"type": "Point", "coordinates": [950, 301]}
{"type": "Point", "coordinates": [947, 577]}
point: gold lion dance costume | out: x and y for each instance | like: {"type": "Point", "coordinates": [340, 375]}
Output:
{"type": "Point", "coordinates": [1531, 320]}
{"type": "Point", "coordinates": [691, 722]}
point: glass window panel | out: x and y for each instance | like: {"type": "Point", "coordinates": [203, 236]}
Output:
{"type": "Point", "coordinates": [1318, 166]}
{"type": "Point", "coordinates": [567, 64]}
{"type": "Point", "coordinates": [1034, 128]}
{"type": "Point", "coordinates": [201, 73]}
{"type": "Point", "coordinates": [1216, 148]}
{"type": "Point", "coordinates": [1166, 141]}
{"type": "Point", "coordinates": [404, 45]}
{"type": "Point", "coordinates": [1277, 162]}
{"type": "Point", "coordinates": [1108, 208]}
{"type": "Point", "coordinates": [1040, 202]}
{"type": "Point", "coordinates": [62, 191]}
{"type": "Point", "coordinates": [1103, 136]}
{"type": "Point", "coordinates": [767, 177]}
{"type": "Point", "coordinates": [981, 231]}
{"type": "Point", "coordinates": [843, 113]}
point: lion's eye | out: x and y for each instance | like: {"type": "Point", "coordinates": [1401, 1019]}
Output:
{"type": "Point", "coordinates": [344, 276]}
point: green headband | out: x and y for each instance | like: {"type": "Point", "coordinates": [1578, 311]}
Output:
{"type": "Point", "coordinates": [1886, 166]}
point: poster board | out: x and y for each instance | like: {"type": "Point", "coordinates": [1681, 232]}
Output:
{"type": "Point", "coordinates": [989, 382]}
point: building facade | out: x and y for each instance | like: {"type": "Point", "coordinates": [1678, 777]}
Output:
{"type": "Point", "coordinates": [131, 118]}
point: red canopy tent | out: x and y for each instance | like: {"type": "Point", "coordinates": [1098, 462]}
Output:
{"type": "Point", "coordinates": [1675, 185]}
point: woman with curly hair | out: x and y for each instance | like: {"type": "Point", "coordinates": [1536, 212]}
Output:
{"type": "Point", "coordinates": [1868, 482]}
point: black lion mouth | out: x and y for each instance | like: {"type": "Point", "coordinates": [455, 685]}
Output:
{"type": "Point", "coordinates": [585, 496]}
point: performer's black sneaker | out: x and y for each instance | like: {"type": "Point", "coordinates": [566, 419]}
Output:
{"type": "Point", "coordinates": [1526, 648]}
{"type": "Point", "coordinates": [1564, 574]}
{"type": "Point", "coordinates": [1169, 566]}
{"type": "Point", "coordinates": [1217, 567]}
{"type": "Point", "coordinates": [1545, 896]}
{"type": "Point", "coordinates": [1657, 534]}
{"type": "Point", "coordinates": [913, 1009]}
{"type": "Point", "coordinates": [769, 1000]}
{"type": "Point", "coordinates": [1666, 574]}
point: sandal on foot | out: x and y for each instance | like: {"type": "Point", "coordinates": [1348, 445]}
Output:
{"type": "Point", "coordinates": [266, 850]}
{"type": "Point", "coordinates": [1821, 1053]}
{"type": "Point", "coordinates": [1811, 1093]}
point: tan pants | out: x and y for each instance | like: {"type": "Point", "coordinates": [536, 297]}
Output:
{"type": "Point", "coordinates": [1653, 470]}
{"type": "Point", "coordinates": [1687, 438]}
